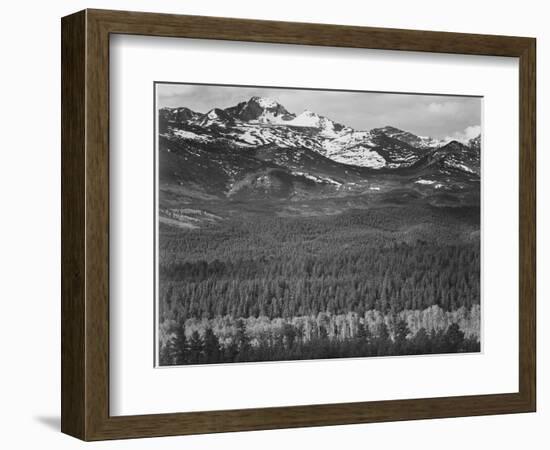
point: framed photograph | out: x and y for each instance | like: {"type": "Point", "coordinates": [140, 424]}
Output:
{"type": "Point", "coordinates": [272, 225]}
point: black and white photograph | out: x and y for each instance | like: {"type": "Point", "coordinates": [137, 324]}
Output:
{"type": "Point", "coordinates": [304, 224]}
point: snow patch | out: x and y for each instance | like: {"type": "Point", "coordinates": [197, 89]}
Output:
{"type": "Point", "coordinates": [346, 140]}
{"type": "Point", "coordinates": [248, 137]}
{"type": "Point", "coordinates": [266, 102]}
{"type": "Point", "coordinates": [360, 156]}
{"type": "Point", "coordinates": [425, 181]}
{"type": "Point", "coordinates": [318, 179]}
{"type": "Point", "coordinates": [462, 167]}
{"type": "Point", "coordinates": [190, 135]}
{"type": "Point", "coordinates": [305, 119]}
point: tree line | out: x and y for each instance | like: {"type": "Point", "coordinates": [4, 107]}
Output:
{"type": "Point", "coordinates": [289, 344]}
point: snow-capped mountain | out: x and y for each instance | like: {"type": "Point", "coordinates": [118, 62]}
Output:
{"type": "Point", "coordinates": [175, 116]}
{"type": "Point", "coordinates": [409, 138]}
{"type": "Point", "coordinates": [260, 110]}
{"type": "Point", "coordinates": [261, 121]}
{"type": "Point", "coordinates": [258, 144]}
{"type": "Point", "coordinates": [267, 111]}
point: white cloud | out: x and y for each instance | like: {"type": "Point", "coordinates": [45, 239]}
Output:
{"type": "Point", "coordinates": [443, 108]}
{"type": "Point", "coordinates": [422, 114]}
{"type": "Point", "coordinates": [464, 136]}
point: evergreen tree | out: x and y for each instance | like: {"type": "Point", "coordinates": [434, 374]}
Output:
{"type": "Point", "coordinates": [167, 352]}
{"type": "Point", "coordinates": [289, 333]}
{"type": "Point", "coordinates": [421, 342]}
{"type": "Point", "coordinates": [401, 333]}
{"type": "Point", "coordinates": [383, 341]}
{"type": "Point", "coordinates": [196, 347]}
{"type": "Point", "coordinates": [242, 339]}
{"type": "Point", "coordinates": [212, 351]}
{"type": "Point", "coordinates": [362, 331]}
{"type": "Point", "coordinates": [453, 339]}
{"type": "Point", "coordinates": [180, 346]}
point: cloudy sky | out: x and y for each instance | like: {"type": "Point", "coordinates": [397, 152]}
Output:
{"type": "Point", "coordinates": [426, 115]}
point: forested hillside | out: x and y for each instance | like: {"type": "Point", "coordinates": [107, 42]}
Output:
{"type": "Point", "coordinates": [339, 283]}
{"type": "Point", "coordinates": [292, 236]}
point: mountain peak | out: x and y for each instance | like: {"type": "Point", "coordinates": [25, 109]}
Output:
{"type": "Point", "coordinates": [308, 118]}
{"type": "Point", "coordinates": [215, 116]}
{"type": "Point", "coordinates": [390, 129]}
{"type": "Point", "coordinates": [265, 102]}
{"type": "Point", "coordinates": [453, 145]}
{"type": "Point", "coordinates": [213, 113]}
{"type": "Point", "coordinates": [261, 109]}
{"type": "Point", "coordinates": [179, 114]}
{"type": "Point", "coordinates": [407, 137]}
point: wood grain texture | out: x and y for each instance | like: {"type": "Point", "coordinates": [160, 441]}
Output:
{"type": "Point", "coordinates": [151, 24]}
{"type": "Point", "coordinates": [527, 224]}
{"type": "Point", "coordinates": [85, 224]}
{"type": "Point", "coordinates": [97, 225]}
{"type": "Point", "coordinates": [73, 226]}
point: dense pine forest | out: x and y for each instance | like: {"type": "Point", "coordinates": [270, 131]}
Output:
{"type": "Point", "coordinates": [365, 282]}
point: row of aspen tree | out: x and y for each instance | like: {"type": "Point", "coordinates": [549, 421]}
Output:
{"type": "Point", "coordinates": [261, 339]}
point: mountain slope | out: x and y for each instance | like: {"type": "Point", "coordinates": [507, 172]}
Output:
{"type": "Point", "coordinates": [258, 149]}
{"type": "Point", "coordinates": [263, 121]}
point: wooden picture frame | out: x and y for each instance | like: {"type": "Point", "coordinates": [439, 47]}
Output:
{"type": "Point", "coordinates": [85, 224]}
